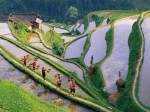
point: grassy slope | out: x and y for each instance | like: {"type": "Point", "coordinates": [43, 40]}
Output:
{"type": "Point", "coordinates": [14, 99]}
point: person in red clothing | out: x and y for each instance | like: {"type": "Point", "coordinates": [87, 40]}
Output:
{"type": "Point", "coordinates": [34, 65]}
{"type": "Point", "coordinates": [58, 81]}
{"type": "Point", "coordinates": [25, 60]}
{"type": "Point", "coordinates": [72, 87]}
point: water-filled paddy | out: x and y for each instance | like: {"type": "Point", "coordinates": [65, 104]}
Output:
{"type": "Point", "coordinates": [35, 88]}
{"type": "Point", "coordinates": [98, 46]}
{"type": "Point", "coordinates": [118, 60]}
{"type": "Point", "coordinates": [75, 49]}
{"type": "Point", "coordinates": [19, 53]}
{"type": "Point", "coordinates": [144, 83]}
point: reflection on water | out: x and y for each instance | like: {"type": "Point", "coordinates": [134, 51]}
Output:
{"type": "Point", "coordinates": [118, 60]}
{"type": "Point", "coordinates": [75, 49]}
{"type": "Point", "coordinates": [38, 89]}
{"type": "Point", "coordinates": [19, 53]}
{"type": "Point", "coordinates": [98, 46]}
{"type": "Point", "coordinates": [144, 83]}
{"type": "Point", "coordinates": [69, 66]}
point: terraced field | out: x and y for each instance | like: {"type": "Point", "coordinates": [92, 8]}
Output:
{"type": "Point", "coordinates": [144, 83]}
{"type": "Point", "coordinates": [116, 44]}
{"type": "Point", "coordinates": [118, 60]}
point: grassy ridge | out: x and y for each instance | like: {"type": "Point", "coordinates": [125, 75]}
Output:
{"type": "Point", "coordinates": [14, 99]}
{"type": "Point", "coordinates": [40, 80]}
{"type": "Point", "coordinates": [93, 93]}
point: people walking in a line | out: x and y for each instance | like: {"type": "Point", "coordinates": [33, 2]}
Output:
{"type": "Point", "coordinates": [58, 81]}
{"type": "Point", "coordinates": [72, 88]}
{"type": "Point", "coordinates": [43, 73]}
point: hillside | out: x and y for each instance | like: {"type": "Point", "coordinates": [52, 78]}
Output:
{"type": "Point", "coordinates": [105, 55]}
{"type": "Point", "coordinates": [22, 101]}
{"type": "Point", "coordinates": [56, 9]}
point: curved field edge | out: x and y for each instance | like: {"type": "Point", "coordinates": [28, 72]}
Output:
{"type": "Point", "coordinates": [97, 102]}
{"type": "Point", "coordinates": [136, 89]}
{"type": "Point", "coordinates": [81, 101]}
{"type": "Point", "coordinates": [22, 100]}
{"type": "Point", "coordinates": [58, 67]}
{"type": "Point", "coordinates": [128, 101]}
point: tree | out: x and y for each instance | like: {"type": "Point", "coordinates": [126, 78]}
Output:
{"type": "Point", "coordinates": [72, 12]}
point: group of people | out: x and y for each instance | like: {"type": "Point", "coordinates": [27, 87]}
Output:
{"type": "Point", "coordinates": [72, 85]}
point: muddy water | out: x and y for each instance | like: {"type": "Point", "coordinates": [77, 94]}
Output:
{"type": "Point", "coordinates": [98, 46]}
{"type": "Point", "coordinates": [75, 49]}
{"type": "Point", "coordinates": [144, 83]}
{"type": "Point", "coordinates": [70, 66]}
{"type": "Point", "coordinates": [19, 53]}
{"type": "Point", "coordinates": [8, 72]}
{"type": "Point", "coordinates": [118, 60]}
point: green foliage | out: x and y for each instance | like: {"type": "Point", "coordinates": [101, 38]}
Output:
{"type": "Point", "coordinates": [14, 99]}
{"type": "Point", "coordinates": [98, 20]}
{"type": "Point", "coordinates": [56, 9]}
{"type": "Point", "coordinates": [54, 40]}
{"type": "Point", "coordinates": [72, 12]}
{"type": "Point", "coordinates": [20, 31]}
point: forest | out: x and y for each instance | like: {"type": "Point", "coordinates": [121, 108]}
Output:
{"type": "Point", "coordinates": [56, 10]}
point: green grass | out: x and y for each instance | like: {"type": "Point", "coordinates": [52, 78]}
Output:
{"type": "Point", "coordinates": [41, 81]}
{"type": "Point", "coordinates": [93, 93]}
{"type": "Point", "coordinates": [50, 36]}
{"type": "Point", "coordinates": [98, 20]}
{"type": "Point", "coordinates": [20, 31]}
{"type": "Point", "coordinates": [14, 99]}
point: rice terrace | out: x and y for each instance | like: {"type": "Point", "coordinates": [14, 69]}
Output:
{"type": "Point", "coordinates": [98, 62]}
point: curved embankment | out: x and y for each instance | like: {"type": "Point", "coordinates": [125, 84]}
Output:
{"type": "Point", "coordinates": [91, 26]}
{"type": "Point", "coordinates": [118, 60]}
{"type": "Point", "coordinates": [21, 53]}
{"type": "Point", "coordinates": [139, 64]}
{"type": "Point", "coordinates": [98, 45]}
{"type": "Point", "coordinates": [12, 74]}
{"type": "Point", "coordinates": [86, 88]}
{"type": "Point", "coordinates": [75, 49]}
{"type": "Point", "coordinates": [72, 47]}
{"type": "Point", "coordinates": [51, 86]}
{"type": "Point", "coordinates": [144, 83]}
{"type": "Point", "coordinates": [69, 66]}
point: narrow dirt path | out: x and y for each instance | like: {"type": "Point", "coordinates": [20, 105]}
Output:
{"type": "Point", "coordinates": [53, 86]}
{"type": "Point", "coordinates": [138, 67]}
